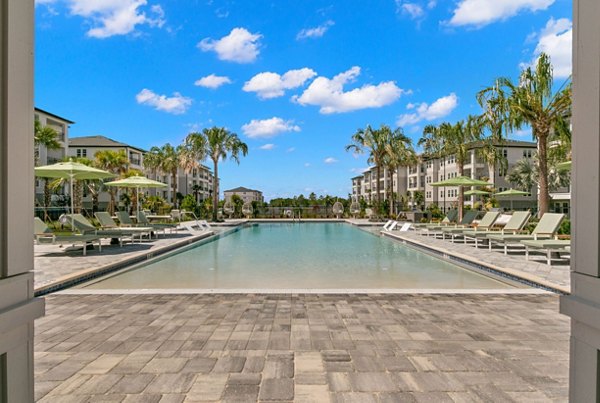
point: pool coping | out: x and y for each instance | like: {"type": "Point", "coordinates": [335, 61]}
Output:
{"type": "Point", "coordinates": [456, 257]}
{"type": "Point", "coordinates": [84, 275]}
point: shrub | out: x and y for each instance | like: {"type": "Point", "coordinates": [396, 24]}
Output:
{"type": "Point", "coordinates": [565, 227]}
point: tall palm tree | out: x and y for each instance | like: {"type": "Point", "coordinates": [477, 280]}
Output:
{"type": "Point", "coordinates": [374, 142]}
{"type": "Point", "coordinates": [434, 147]}
{"type": "Point", "coordinates": [493, 157]}
{"type": "Point", "coordinates": [115, 162]}
{"type": "Point", "coordinates": [165, 159]}
{"type": "Point", "coordinates": [532, 102]}
{"type": "Point", "coordinates": [399, 153]}
{"type": "Point", "coordinates": [48, 137]}
{"type": "Point", "coordinates": [217, 143]}
{"type": "Point", "coordinates": [459, 138]}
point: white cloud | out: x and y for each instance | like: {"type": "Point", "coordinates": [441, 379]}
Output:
{"type": "Point", "coordinates": [329, 94]}
{"type": "Point", "coordinates": [290, 150]}
{"type": "Point", "coordinates": [115, 17]}
{"type": "Point", "coordinates": [177, 104]}
{"type": "Point", "coordinates": [213, 81]}
{"type": "Point", "coordinates": [330, 160]}
{"type": "Point", "coordinates": [556, 41]}
{"type": "Point", "coordinates": [307, 164]}
{"type": "Point", "coordinates": [440, 108]}
{"type": "Point", "coordinates": [271, 85]}
{"type": "Point", "coordinates": [315, 32]}
{"type": "Point", "coordinates": [240, 46]}
{"type": "Point", "coordinates": [269, 146]}
{"type": "Point", "coordinates": [414, 10]}
{"type": "Point", "coordinates": [268, 128]}
{"type": "Point", "coordinates": [483, 12]}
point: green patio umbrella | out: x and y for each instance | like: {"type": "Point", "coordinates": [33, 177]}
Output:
{"type": "Point", "coordinates": [137, 182]}
{"type": "Point", "coordinates": [461, 181]}
{"type": "Point", "coordinates": [564, 166]}
{"type": "Point", "coordinates": [511, 192]}
{"type": "Point", "coordinates": [476, 193]}
{"type": "Point", "coordinates": [71, 170]}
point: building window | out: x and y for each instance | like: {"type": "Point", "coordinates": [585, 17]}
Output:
{"type": "Point", "coordinates": [81, 153]}
{"type": "Point", "coordinates": [527, 153]}
{"type": "Point", "coordinates": [505, 153]}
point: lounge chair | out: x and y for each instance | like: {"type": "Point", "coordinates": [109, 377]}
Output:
{"type": "Point", "coordinates": [85, 227]}
{"type": "Point", "coordinates": [106, 222]}
{"type": "Point", "coordinates": [387, 224]}
{"type": "Point", "coordinates": [484, 225]}
{"type": "Point", "coordinates": [515, 224]}
{"type": "Point", "coordinates": [143, 220]}
{"type": "Point", "coordinates": [545, 229]}
{"type": "Point", "coordinates": [450, 218]}
{"type": "Point", "coordinates": [467, 220]}
{"type": "Point", "coordinates": [43, 234]}
{"type": "Point", "coordinates": [549, 245]}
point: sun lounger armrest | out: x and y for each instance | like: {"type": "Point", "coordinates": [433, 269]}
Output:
{"type": "Point", "coordinates": [45, 236]}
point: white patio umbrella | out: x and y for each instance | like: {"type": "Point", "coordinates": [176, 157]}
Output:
{"type": "Point", "coordinates": [137, 182]}
{"type": "Point", "coordinates": [71, 170]}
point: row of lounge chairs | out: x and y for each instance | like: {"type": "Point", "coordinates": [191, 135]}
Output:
{"type": "Point", "coordinates": [542, 238]}
{"type": "Point", "coordinates": [125, 230]}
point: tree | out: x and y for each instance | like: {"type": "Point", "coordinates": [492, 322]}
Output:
{"type": "Point", "coordinates": [216, 143]}
{"type": "Point", "coordinates": [399, 153]}
{"type": "Point", "coordinates": [459, 138]}
{"type": "Point", "coordinates": [374, 143]}
{"type": "Point", "coordinates": [532, 102]}
{"type": "Point", "coordinates": [115, 162]}
{"type": "Point", "coordinates": [166, 159]}
{"type": "Point", "coordinates": [48, 137]}
{"type": "Point", "coordinates": [44, 136]}
{"type": "Point", "coordinates": [524, 175]}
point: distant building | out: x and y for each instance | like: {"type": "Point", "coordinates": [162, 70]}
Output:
{"type": "Point", "coordinates": [197, 182]}
{"type": "Point", "coordinates": [45, 156]}
{"type": "Point", "coordinates": [247, 195]}
{"type": "Point", "coordinates": [419, 177]}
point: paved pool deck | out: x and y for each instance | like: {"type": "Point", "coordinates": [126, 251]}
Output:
{"type": "Point", "coordinates": [333, 347]}
{"type": "Point", "coordinates": [302, 348]}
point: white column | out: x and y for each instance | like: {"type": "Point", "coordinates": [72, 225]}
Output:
{"type": "Point", "coordinates": [583, 305]}
{"type": "Point", "coordinates": [18, 308]}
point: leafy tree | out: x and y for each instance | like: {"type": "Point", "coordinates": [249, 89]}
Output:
{"type": "Point", "coordinates": [115, 162]}
{"type": "Point", "coordinates": [216, 143]}
{"type": "Point", "coordinates": [532, 102]}
{"type": "Point", "coordinates": [48, 137]}
{"type": "Point", "coordinates": [166, 159]}
{"type": "Point", "coordinates": [399, 153]}
{"type": "Point", "coordinates": [374, 143]}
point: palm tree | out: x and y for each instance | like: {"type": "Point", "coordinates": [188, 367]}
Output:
{"type": "Point", "coordinates": [532, 102]}
{"type": "Point", "coordinates": [165, 159]}
{"type": "Point", "coordinates": [48, 137]}
{"type": "Point", "coordinates": [115, 162]}
{"type": "Point", "coordinates": [399, 153]}
{"type": "Point", "coordinates": [524, 175]}
{"type": "Point", "coordinates": [433, 145]}
{"type": "Point", "coordinates": [44, 136]}
{"type": "Point", "coordinates": [217, 143]}
{"type": "Point", "coordinates": [494, 158]}
{"type": "Point", "coordinates": [459, 138]}
{"type": "Point", "coordinates": [374, 142]}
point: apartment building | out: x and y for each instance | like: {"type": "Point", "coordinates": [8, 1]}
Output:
{"type": "Point", "coordinates": [247, 195]}
{"type": "Point", "coordinates": [46, 156]}
{"type": "Point", "coordinates": [419, 177]}
{"type": "Point", "coordinates": [197, 182]}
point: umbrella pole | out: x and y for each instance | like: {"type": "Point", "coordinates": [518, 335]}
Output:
{"type": "Point", "coordinates": [72, 204]}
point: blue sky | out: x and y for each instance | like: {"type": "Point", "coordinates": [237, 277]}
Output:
{"type": "Point", "coordinates": [294, 79]}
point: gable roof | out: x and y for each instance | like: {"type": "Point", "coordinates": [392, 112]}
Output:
{"type": "Point", "coordinates": [54, 116]}
{"type": "Point", "coordinates": [241, 189]}
{"type": "Point", "coordinates": [99, 141]}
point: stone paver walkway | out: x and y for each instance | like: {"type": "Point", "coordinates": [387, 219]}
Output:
{"type": "Point", "coordinates": [305, 348]}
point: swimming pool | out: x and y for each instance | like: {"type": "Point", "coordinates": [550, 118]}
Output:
{"type": "Point", "coordinates": [299, 256]}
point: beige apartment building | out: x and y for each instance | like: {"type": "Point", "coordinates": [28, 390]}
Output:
{"type": "Point", "coordinates": [197, 182]}
{"type": "Point", "coordinates": [419, 177]}
{"type": "Point", "coordinates": [247, 195]}
{"type": "Point", "coordinates": [47, 156]}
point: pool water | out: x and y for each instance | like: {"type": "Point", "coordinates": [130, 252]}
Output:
{"type": "Point", "coordinates": [296, 256]}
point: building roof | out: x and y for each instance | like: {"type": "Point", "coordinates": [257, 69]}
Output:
{"type": "Point", "coordinates": [54, 116]}
{"type": "Point", "coordinates": [98, 141]}
{"type": "Point", "coordinates": [241, 189]}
